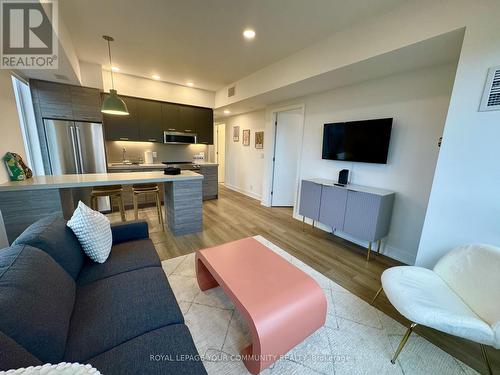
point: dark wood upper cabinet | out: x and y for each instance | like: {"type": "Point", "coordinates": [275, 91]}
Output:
{"type": "Point", "coordinates": [123, 128]}
{"type": "Point", "coordinates": [150, 120]}
{"type": "Point", "coordinates": [60, 101]}
{"type": "Point", "coordinates": [204, 124]}
{"type": "Point", "coordinates": [54, 99]}
{"type": "Point", "coordinates": [147, 119]}
{"type": "Point", "coordinates": [170, 117]}
{"type": "Point", "coordinates": [186, 117]}
{"type": "Point", "coordinates": [86, 104]}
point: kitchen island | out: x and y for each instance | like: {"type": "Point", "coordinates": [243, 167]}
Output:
{"type": "Point", "coordinates": [24, 202]}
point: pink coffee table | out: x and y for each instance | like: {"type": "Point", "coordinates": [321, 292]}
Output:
{"type": "Point", "coordinates": [281, 304]}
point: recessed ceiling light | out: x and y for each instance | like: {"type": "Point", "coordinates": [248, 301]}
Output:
{"type": "Point", "coordinates": [115, 69]}
{"type": "Point", "coordinates": [227, 111]}
{"type": "Point", "coordinates": [190, 84]}
{"type": "Point", "coordinates": [249, 34]}
{"type": "Point", "coordinates": [155, 76]}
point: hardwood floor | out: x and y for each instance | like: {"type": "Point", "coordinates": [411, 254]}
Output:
{"type": "Point", "coordinates": [234, 216]}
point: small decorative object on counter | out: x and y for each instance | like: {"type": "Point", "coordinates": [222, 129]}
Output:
{"type": "Point", "coordinates": [172, 171]}
{"type": "Point", "coordinates": [17, 170]}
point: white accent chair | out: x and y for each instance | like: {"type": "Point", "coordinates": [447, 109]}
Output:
{"type": "Point", "coordinates": [460, 296]}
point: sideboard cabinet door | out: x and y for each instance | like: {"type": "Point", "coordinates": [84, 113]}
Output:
{"type": "Point", "coordinates": [333, 204]}
{"type": "Point", "coordinates": [310, 198]}
{"type": "Point", "coordinates": [361, 215]}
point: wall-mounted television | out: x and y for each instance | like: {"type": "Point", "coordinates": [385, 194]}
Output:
{"type": "Point", "coordinates": [363, 141]}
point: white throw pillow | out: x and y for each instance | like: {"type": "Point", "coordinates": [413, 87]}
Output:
{"type": "Point", "coordinates": [93, 230]}
{"type": "Point", "coordinates": [62, 368]}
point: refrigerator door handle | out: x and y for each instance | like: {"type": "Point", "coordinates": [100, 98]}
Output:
{"type": "Point", "coordinates": [73, 140]}
{"type": "Point", "coordinates": [79, 148]}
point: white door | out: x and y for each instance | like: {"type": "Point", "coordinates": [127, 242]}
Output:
{"type": "Point", "coordinates": [286, 152]}
{"type": "Point", "coordinates": [220, 150]}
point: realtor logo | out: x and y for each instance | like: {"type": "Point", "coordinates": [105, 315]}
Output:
{"type": "Point", "coordinates": [29, 34]}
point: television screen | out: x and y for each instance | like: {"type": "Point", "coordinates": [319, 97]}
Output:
{"type": "Point", "coordinates": [363, 141]}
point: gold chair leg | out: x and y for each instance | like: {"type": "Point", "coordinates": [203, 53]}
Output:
{"type": "Point", "coordinates": [122, 207]}
{"type": "Point", "coordinates": [158, 208]}
{"type": "Point", "coordinates": [379, 244]}
{"type": "Point", "coordinates": [376, 295]}
{"type": "Point", "coordinates": [369, 250]}
{"type": "Point", "coordinates": [136, 208]}
{"type": "Point", "coordinates": [403, 342]}
{"type": "Point", "coordinates": [486, 359]}
{"type": "Point", "coordinates": [303, 221]}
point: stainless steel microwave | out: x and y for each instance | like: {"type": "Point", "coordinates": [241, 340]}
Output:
{"type": "Point", "coordinates": [179, 138]}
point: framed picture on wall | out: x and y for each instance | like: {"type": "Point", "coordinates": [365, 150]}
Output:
{"type": "Point", "coordinates": [236, 133]}
{"type": "Point", "coordinates": [246, 137]}
{"type": "Point", "coordinates": [259, 140]}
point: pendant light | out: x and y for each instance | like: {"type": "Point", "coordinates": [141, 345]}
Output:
{"type": "Point", "coordinates": [113, 105]}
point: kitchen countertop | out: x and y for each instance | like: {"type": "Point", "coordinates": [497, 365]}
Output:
{"type": "Point", "coordinates": [95, 179]}
{"type": "Point", "coordinates": [117, 166]}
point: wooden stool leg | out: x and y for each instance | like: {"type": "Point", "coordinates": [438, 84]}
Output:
{"type": "Point", "coordinates": [122, 208]}
{"type": "Point", "coordinates": [158, 207]}
{"type": "Point", "coordinates": [136, 208]}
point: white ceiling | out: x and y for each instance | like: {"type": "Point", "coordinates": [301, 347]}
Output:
{"type": "Point", "coordinates": [442, 49]}
{"type": "Point", "coordinates": [201, 40]}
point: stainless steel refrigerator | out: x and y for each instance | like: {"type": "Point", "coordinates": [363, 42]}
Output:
{"type": "Point", "coordinates": [76, 148]}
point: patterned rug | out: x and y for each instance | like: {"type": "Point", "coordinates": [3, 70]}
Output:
{"type": "Point", "coordinates": [356, 338]}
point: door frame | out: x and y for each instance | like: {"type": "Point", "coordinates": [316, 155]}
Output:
{"type": "Point", "coordinates": [271, 130]}
{"type": "Point", "coordinates": [216, 146]}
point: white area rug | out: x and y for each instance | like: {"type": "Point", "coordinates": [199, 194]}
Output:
{"type": "Point", "coordinates": [356, 339]}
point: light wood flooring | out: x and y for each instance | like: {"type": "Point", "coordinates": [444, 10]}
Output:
{"type": "Point", "coordinates": [234, 216]}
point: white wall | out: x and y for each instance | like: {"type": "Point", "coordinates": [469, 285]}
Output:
{"type": "Point", "coordinates": [91, 75]}
{"type": "Point", "coordinates": [464, 206]}
{"type": "Point", "coordinates": [245, 164]}
{"type": "Point", "coordinates": [12, 139]}
{"type": "Point", "coordinates": [147, 88]}
{"type": "Point", "coordinates": [418, 102]}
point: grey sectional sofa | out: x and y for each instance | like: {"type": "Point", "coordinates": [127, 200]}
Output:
{"type": "Point", "coordinates": [120, 316]}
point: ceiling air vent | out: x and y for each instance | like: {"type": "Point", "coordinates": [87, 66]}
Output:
{"type": "Point", "coordinates": [491, 95]}
{"type": "Point", "coordinates": [231, 91]}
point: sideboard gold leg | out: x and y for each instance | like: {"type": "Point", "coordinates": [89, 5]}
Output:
{"type": "Point", "coordinates": [369, 250]}
{"type": "Point", "coordinates": [379, 244]}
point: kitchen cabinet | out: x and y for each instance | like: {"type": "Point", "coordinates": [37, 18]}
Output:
{"type": "Point", "coordinates": [86, 104]}
{"type": "Point", "coordinates": [53, 99]}
{"type": "Point", "coordinates": [170, 117]}
{"type": "Point", "coordinates": [186, 119]}
{"type": "Point", "coordinates": [150, 120]}
{"type": "Point", "coordinates": [210, 181]}
{"type": "Point", "coordinates": [66, 102]}
{"type": "Point", "coordinates": [123, 128]}
{"type": "Point", "coordinates": [203, 120]}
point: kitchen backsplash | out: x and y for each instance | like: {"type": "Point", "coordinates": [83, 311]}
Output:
{"type": "Point", "coordinates": [135, 150]}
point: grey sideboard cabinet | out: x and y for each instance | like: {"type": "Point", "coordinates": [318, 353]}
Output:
{"type": "Point", "coordinates": [362, 212]}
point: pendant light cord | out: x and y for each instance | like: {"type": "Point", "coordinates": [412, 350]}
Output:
{"type": "Point", "coordinates": [111, 66]}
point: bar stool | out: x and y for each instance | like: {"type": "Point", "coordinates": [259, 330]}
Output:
{"type": "Point", "coordinates": [152, 188]}
{"type": "Point", "coordinates": [111, 191]}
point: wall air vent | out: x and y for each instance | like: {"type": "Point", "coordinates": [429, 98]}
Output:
{"type": "Point", "coordinates": [491, 95]}
{"type": "Point", "coordinates": [231, 91]}
{"type": "Point", "coordinates": [61, 77]}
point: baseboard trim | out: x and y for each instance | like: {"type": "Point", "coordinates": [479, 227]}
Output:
{"type": "Point", "coordinates": [250, 194]}
{"type": "Point", "coordinates": [387, 250]}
